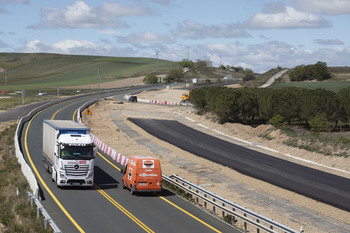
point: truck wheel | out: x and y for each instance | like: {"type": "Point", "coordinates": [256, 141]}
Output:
{"type": "Point", "coordinates": [46, 165]}
{"type": "Point", "coordinates": [124, 187]}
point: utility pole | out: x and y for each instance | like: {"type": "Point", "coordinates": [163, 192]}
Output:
{"type": "Point", "coordinates": [5, 82]}
{"type": "Point", "coordinates": [98, 78]}
{"type": "Point", "coordinates": [188, 53]}
{"type": "Point", "coordinates": [157, 52]}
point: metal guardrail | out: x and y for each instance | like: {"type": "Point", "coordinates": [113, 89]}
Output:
{"type": "Point", "coordinates": [228, 208]}
{"type": "Point", "coordinates": [40, 208]}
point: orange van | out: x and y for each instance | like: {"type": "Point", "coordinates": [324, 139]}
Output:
{"type": "Point", "coordinates": [142, 174]}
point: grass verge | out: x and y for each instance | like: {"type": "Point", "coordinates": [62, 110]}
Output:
{"type": "Point", "coordinates": [16, 213]}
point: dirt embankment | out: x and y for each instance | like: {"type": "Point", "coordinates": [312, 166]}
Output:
{"type": "Point", "coordinates": [281, 205]}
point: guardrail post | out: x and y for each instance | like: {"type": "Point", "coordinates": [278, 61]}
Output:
{"type": "Point", "coordinates": [245, 223]}
{"type": "Point", "coordinates": [214, 206]}
{"type": "Point", "coordinates": [46, 220]}
{"type": "Point", "coordinates": [257, 229]}
{"type": "Point", "coordinates": [223, 212]}
{"type": "Point", "coordinates": [233, 217]}
{"type": "Point", "coordinates": [205, 203]}
{"type": "Point", "coordinates": [197, 197]}
{"type": "Point", "coordinates": [38, 212]}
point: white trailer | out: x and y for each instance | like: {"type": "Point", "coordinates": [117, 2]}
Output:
{"type": "Point", "coordinates": [69, 152]}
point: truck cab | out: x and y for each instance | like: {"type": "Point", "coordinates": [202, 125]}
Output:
{"type": "Point", "coordinates": [142, 174]}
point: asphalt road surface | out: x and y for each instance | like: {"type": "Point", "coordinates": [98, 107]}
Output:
{"type": "Point", "coordinates": [321, 186]}
{"type": "Point", "coordinates": [107, 207]}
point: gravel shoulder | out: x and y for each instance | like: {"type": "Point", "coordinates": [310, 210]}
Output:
{"type": "Point", "coordinates": [109, 123]}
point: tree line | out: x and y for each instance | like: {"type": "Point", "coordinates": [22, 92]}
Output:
{"type": "Point", "coordinates": [317, 109]}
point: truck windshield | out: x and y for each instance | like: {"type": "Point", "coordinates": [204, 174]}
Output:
{"type": "Point", "coordinates": [76, 152]}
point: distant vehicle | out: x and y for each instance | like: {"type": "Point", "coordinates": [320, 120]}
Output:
{"type": "Point", "coordinates": [142, 174]}
{"type": "Point", "coordinates": [68, 152]}
{"type": "Point", "coordinates": [42, 93]}
{"type": "Point", "coordinates": [132, 98]}
{"type": "Point", "coordinates": [80, 91]}
{"type": "Point", "coordinates": [185, 98]}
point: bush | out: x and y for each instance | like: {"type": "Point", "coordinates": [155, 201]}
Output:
{"type": "Point", "coordinates": [319, 124]}
{"type": "Point", "coordinates": [277, 121]}
{"type": "Point", "coordinates": [150, 79]}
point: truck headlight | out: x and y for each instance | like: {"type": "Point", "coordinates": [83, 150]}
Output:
{"type": "Point", "coordinates": [62, 174]}
{"type": "Point", "coordinates": [91, 174]}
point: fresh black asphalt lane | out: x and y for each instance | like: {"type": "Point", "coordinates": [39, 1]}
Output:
{"type": "Point", "coordinates": [321, 186]}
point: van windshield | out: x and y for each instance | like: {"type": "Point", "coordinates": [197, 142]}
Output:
{"type": "Point", "coordinates": [76, 152]}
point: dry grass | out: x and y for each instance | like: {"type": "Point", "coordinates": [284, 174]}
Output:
{"type": "Point", "coordinates": [16, 214]}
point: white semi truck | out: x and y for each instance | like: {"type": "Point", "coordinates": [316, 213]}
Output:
{"type": "Point", "coordinates": [69, 152]}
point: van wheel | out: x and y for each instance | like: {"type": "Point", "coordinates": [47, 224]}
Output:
{"type": "Point", "coordinates": [132, 190]}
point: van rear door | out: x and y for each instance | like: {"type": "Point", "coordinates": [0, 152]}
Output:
{"type": "Point", "coordinates": [150, 175]}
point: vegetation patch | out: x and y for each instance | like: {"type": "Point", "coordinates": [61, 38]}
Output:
{"type": "Point", "coordinates": [16, 213]}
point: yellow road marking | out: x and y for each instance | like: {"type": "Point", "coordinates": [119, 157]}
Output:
{"type": "Point", "coordinates": [108, 161]}
{"type": "Point", "coordinates": [42, 181]}
{"type": "Point", "coordinates": [53, 116]}
{"type": "Point", "coordinates": [191, 215]}
{"type": "Point", "coordinates": [122, 209]}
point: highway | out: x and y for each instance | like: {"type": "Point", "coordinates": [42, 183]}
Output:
{"type": "Point", "coordinates": [321, 186]}
{"type": "Point", "coordinates": [107, 207]}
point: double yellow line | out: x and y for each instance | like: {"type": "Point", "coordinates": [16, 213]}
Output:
{"type": "Point", "coordinates": [103, 193]}
{"type": "Point", "coordinates": [122, 209]}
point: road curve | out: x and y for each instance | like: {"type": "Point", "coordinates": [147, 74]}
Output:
{"type": "Point", "coordinates": [107, 207]}
{"type": "Point", "coordinates": [321, 186]}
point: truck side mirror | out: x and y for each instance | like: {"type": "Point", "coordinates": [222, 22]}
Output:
{"type": "Point", "coordinates": [123, 170]}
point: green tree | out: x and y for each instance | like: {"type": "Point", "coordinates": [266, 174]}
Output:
{"type": "Point", "coordinates": [282, 101]}
{"type": "Point", "coordinates": [150, 79]}
{"type": "Point", "coordinates": [298, 74]}
{"type": "Point", "coordinates": [186, 63]}
{"type": "Point", "coordinates": [174, 75]}
{"type": "Point", "coordinates": [248, 104]}
{"type": "Point", "coordinates": [344, 103]}
{"type": "Point", "coordinates": [226, 107]}
{"type": "Point", "coordinates": [248, 75]}
{"type": "Point", "coordinates": [320, 71]}
{"type": "Point", "coordinates": [319, 101]}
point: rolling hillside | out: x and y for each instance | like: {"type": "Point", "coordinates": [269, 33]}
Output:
{"type": "Point", "coordinates": [33, 71]}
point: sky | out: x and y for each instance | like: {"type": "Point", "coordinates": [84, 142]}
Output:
{"type": "Point", "coordinates": [255, 34]}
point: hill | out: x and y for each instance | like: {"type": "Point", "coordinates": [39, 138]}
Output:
{"type": "Point", "coordinates": [340, 78]}
{"type": "Point", "coordinates": [33, 71]}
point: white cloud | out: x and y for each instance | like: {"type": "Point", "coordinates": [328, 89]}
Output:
{"type": "Point", "coordinates": [147, 38]}
{"type": "Point", "coordinates": [289, 18]}
{"type": "Point", "coordinates": [66, 46]}
{"type": "Point", "coordinates": [329, 42]}
{"type": "Point", "coordinates": [35, 46]}
{"type": "Point", "coordinates": [193, 30]}
{"type": "Point", "coordinates": [3, 44]}
{"type": "Point", "coordinates": [330, 7]}
{"type": "Point", "coordinates": [81, 15]}
{"type": "Point", "coordinates": [110, 32]}
{"type": "Point", "coordinates": [258, 57]}
{"type": "Point", "coordinates": [4, 2]}
{"type": "Point", "coordinates": [116, 9]}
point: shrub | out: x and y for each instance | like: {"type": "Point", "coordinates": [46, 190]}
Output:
{"type": "Point", "coordinates": [319, 124]}
{"type": "Point", "coordinates": [277, 120]}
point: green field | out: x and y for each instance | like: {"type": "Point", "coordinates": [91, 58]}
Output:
{"type": "Point", "coordinates": [39, 71]}
{"type": "Point", "coordinates": [328, 85]}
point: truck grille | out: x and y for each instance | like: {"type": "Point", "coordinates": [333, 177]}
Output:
{"type": "Point", "coordinates": [74, 170]}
